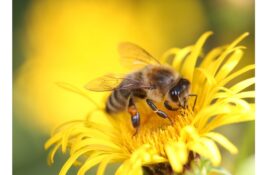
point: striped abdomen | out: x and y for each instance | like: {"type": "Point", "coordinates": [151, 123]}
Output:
{"type": "Point", "coordinates": [117, 101]}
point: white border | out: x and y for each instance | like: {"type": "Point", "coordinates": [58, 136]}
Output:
{"type": "Point", "coordinates": [6, 87]}
{"type": "Point", "coordinates": [261, 87]}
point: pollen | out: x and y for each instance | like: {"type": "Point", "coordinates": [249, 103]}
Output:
{"type": "Point", "coordinates": [157, 131]}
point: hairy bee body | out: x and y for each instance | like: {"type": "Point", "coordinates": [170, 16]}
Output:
{"type": "Point", "coordinates": [152, 82]}
{"type": "Point", "coordinates": [159, 79]}
{"type": "Point", "coordinates": [117, 101]}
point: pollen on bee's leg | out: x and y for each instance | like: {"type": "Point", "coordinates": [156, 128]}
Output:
{"type": "Point", "coordinates": [135, 115]}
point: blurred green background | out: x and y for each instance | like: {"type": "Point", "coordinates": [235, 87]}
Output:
{"type": "Point", "coordinates": [62, 41]}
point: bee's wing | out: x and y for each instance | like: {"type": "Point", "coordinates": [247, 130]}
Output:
{"type": "Point", "coordinates": [107, 82]}
{"type": "Point", "coordinates": [111, 82]}
{"type": "Point", "coordinates": [134, 57]}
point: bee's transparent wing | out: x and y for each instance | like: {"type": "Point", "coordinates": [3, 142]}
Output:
{"type": "Point", "coordinates": [111, 82]}
{"type": "Point", "coordinates": [107, 82]}
{"type": "Point", "coordinates": [134, 57]}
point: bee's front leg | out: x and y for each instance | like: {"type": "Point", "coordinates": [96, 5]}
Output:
{"type": "Point", "coordinates": [169, 107]}
{"type": "Point", "coordinates": [194, 95]}
{"type": "Point", "coordinates": [156, 110]}
{"type": "Point", "coordinates": [135, 115]}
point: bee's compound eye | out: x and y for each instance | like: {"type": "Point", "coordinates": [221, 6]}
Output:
{"type": "Point", "coordinates": [174, 95]}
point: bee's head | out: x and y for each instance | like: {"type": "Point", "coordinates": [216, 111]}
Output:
{"type": "Point", "coordinates": [179, 93]}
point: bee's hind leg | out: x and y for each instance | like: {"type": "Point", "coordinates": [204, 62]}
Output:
{"type": "Point", "coordinates": [135, 115]}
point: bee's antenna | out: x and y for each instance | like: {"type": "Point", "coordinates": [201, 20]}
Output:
{"type": "Point", "coordinates": [193, 95]}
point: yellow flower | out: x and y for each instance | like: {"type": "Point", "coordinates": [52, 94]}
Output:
{"type": "Point", "coordinates": [102, 139]}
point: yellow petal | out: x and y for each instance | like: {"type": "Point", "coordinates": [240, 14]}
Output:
{"type": "Point", "coordinates": [210, 96]}
{"type": "Point", "coordinates": [212, 150]}
{"type": "Point", "coordinates": [207, 76]}
{"type": "Point", "coordinates": [243, 85]}
{"type": "Point", "coordinates": [181, 151]}
{"type": "Point", "coordinates": [176, 164]}
{"type": "Point", "coordinates": [236, 74]}
{"type": "Point", "coordinates": [71, 160]}
{"type": "Point", "coordinates": [223, 141]}
{"type": "Point", "coordinates": [247, 94]}
{"type": "Point", "coordinates": [90, 162]}
{"type": "Point", "coordinates": [229, 65]}
{"type": "Point", "coordinates": [188, 133]}
{"type": "Point", "coordinates": [214, 66]}
{"type": "Point", "coordinates": [53, 140]}
{"type": "Point", "coordinates": [240, 104]}
{"type": "Point", "coordinates": [99, 141]}
{"type": "Point", "coordinates": [52, 153]}
{"type": "Point", "coordinates": [180, 56]}
{"type": "Point", "coordinates": [209, 112]}
{"type": "Point", "coordinates": [68, 124]}
{"type": "Point", "coordinates": [187, 69]}
{"type": "Point", "coordinates": [96, 146]}
{"type": "Point", "coordinates": [157, 158]}
{"type": "Point", "coordinates": [226, 106]}
{"type": "Point", "coordinates": [229, 119]}
{"type": "Point", "coordinates": [136, 168]}
{"type": "Point", "coordinates": [202, 85]}
{"type": "Point", "coordinates": [65, 138]}
{"type": "Point", "coordinates": [211, 56]}
{"type": "Point", "coordinates": [197, 147]}
{"type": "Point", "coordinates": [238, 40]}
{"type": "Point", "coordinates": [168, 53]}
{"type": "Point", "coordinates": [119, 171]}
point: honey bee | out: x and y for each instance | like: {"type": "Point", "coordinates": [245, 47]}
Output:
{"type": "Point", "coordinates": [150, 81]}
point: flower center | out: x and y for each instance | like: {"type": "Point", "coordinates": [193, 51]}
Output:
{"type": "Point", "coordinates": [154, 130]}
